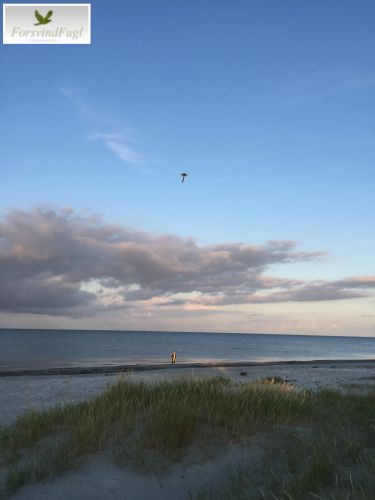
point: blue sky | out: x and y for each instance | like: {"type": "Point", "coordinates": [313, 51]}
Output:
{"type": "Point", "coordinates": [268, 106]}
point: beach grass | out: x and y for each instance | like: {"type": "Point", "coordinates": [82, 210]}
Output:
{"type": "Point", "coordinates": [331, 458]}
{"type": "Point", "coordinates": [139, 420]}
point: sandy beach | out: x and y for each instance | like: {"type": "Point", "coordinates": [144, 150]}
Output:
{"type": "Point", "coordinates": [25, 392]}
{"type": "Point", "coordinates": [98, 477]}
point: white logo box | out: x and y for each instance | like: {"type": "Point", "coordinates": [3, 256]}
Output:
{"type": "Point", "coordinates": [68, 24]}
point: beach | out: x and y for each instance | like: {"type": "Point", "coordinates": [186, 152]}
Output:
{"type": "Point", "coordinates": [97, 476]}
{"type": "Point", "coordinates": [21, 393]}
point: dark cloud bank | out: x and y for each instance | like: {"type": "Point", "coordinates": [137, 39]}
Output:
{"type": "Point", "coordinates": [61, 263]}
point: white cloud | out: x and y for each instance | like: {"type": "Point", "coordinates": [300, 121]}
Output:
{"type": "Point", "coordinates": [120, 143]}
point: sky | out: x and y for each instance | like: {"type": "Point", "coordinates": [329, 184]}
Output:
{"type": "Point", "coordinates": [268, 106]}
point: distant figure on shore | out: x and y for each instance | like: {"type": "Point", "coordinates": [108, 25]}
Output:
{"type": "Point", "coordinates": [183, 175]}
{"type": "Point", "coordinates": [173, 357]}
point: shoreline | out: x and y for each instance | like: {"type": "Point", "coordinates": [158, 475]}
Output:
{"type": "Point", "coordinates": [25, 390]}
{"type": "Point", "coordinates": [149, 367]}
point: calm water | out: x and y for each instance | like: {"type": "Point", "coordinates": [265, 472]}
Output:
{"type": "Point", "coordinates": [61, 348]}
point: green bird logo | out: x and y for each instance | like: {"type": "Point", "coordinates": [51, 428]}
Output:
{"type": "Point", "coordinates": [43, 19]}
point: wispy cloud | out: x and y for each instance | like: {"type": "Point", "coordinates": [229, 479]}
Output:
{"type": "Point", "coordinates": [58, 262]}
{"type": "Point", "coordinates": [324, 86]}
{"type": "Point", "coordinates": [114, 135]}
{"type": "Point", "coordinates": [123, 148]}
{"type": "Point", "coordinates": [122, 151]}
{"type": "Point", "coordinates": [84, 105]}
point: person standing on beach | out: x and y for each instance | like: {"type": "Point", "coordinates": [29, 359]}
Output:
{"type": "Point", "coordinates": [173, 357]}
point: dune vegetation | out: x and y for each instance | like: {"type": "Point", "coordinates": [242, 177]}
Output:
{"type": "Point", "coordinates": [319, 444]}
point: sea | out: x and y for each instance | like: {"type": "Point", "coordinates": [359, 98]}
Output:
{"type": "Point", "coordinates": [44, 349]}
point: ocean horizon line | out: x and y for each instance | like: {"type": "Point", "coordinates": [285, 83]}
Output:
{"type": "Point", "coordinates": [186, 332]}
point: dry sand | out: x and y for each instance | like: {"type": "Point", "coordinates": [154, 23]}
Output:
{"type": "Point", "coordinates": [21, 393]}
{"type": "Point", "coordinates": [99, 478]}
